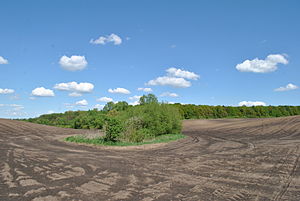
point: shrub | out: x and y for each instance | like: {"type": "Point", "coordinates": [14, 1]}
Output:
{"type": "Point", "coordinates": [138, 135]}
{"type": "Point", "coordinates": [150, 120]}
{"type": "Point", "coordinates": [113, 129]}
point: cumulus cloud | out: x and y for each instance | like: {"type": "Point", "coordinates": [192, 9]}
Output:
{"type": "Point", "coordinates": [145, 89]}
{"type": "Point", "coordinates": [169, 94]}
{"type": "Point", "coordinates": [76, 88]}
{"type": "Point", "coordinates": [134, 97]}
{"type": "Point", "coordinates": [252, 103]}
{"type": "Point", "coordinates": [98, 106]}
{"type": "Point", "coordinates": [105, 99]}
{"type": "Point", "coordinates": [73, 63]}
{"type": "Point", "coordinates": [3, 61]}
{"type": "Point", "coordinates": [176, 78]}
{"type": "Point", "coordinates": [137, 102]}
{"type": "Point", "coordinates": [119, 91]}
{"type": "Point", "coordinates": [75, 94]}
{"type": "Point", "coordinates": [288, 87]}
{"type": "Point", "coordinates": [6, 91]}
{"type": "Point", "coordinates": [175, 72]}
{"type": "Point", "coordinates": [102, 40]}
{"type": "Point", "coordinates": [42, 92]}
{"type": "Point", "coordinates": [82, 103]}
{"type": "Point", "coordinates": [170, 81]}
{"type": "Point", "coordinates": [269, 64]}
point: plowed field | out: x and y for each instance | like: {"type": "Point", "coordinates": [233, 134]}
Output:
{"type": "Point", "coordinates": [228, 159]}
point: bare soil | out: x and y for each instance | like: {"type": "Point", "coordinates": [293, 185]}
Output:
{"type": "Point", "coordinates": [228, 159]}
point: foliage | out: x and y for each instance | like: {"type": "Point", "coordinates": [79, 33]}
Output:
{"type": "Point", "coordinates": [92, 119]}
{"type": "Point", "coordinates": [150, 119]}
{"type": "Point", "coordinates": [190, 111]}
{"type": "Point", "coordinates": [100, 140]}
{"type": "Point", "coordinates": [113, 129]}
{"type": "Point", "coordinates": [147, 99]}
{"type": "Point", "coordinates": [119, 106]}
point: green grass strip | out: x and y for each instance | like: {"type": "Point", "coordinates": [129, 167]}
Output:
{"type": "Point", "coordinates": [100, 141]}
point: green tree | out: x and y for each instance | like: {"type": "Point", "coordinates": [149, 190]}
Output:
{"type": "Point", "coordinates": [121, 106]}
{"type": "Point", "coordinates": [109, 106]}
{"type": "Point", "coordinates": [147, 99]}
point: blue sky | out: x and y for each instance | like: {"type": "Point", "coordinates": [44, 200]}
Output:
{"type": "Point", "coordinates": [201, 52]}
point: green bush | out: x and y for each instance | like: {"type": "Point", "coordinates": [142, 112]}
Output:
{"type": "Point", "coordinates": [132, 126]}
{"type": "Point", "coordinates": [138, 135]}
{"type": "Point", "coordinates": [113, 129]}
{"type": "Point", "coordinates": [150, 120]}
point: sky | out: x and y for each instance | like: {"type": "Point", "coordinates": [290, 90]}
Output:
{"type": "Point", "coordinates": [77, 55]}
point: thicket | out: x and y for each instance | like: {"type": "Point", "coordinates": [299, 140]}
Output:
{"type": "Point", "coordinates": [149, 119]}
{"type": "Point", "coordinates": [120, 121]}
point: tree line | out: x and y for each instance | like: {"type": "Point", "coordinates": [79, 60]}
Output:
{"type": "Point", "coordinates": [151, 110]}
{"type": "Point", "coordinates": [191, 111]}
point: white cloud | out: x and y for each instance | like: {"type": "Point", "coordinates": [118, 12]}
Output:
{"type": "Point", "coordinates": [105, 99]}
{"type": "Point", "coordinates": [170, 81]}
{"type": "Point", "coordinates": [82, 103]}
{"type": "Point", "coordinates": [169, 94]}
{"type": "Point", "coordinates": [175, 72]}
{"type": "Point", "coordinates": [42, 92]}
{"type": "Point", "coordinates": [76, 88]}
{"type": "Point", "coordinates": [134, 103]}
{"type": "Point", "coordinates": [135, 98]}
{"type": "Point", "coordinates": [3, 61]}
{"type": "Point", "coordinates": [50, 112]}
{"type": "Point", "coordinates": [15, 107]}
{"type": "Point", "coordinates": [119, 91]}
{"type": "Point", "coordinates": [252, 103]}
{"type": "Point", "coordinates": [75, 94]}
{"type": "Point", "coordinates": [288, 87]}
{"type": "Point", "coordinates": [267, 65]}
{"type": "Point", "coordinates": [73, 63]}
{"type": "Point", "coordinates": [145, 89]}
{"type": "Point", "coordinates": [102, 40]}
{"type": "Point", "coordinates": [98, 106]}
{"type": "Point", "coordinates": [6, 91]}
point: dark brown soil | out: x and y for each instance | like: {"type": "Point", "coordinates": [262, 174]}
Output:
{"type": "Point", "coordinates": [236, 159]}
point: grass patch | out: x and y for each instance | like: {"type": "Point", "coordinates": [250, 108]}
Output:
{"type": "Point", "coordinates": [101, 141]}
